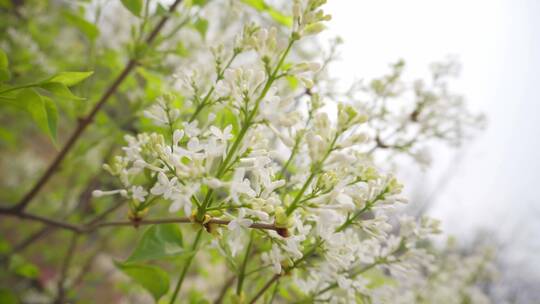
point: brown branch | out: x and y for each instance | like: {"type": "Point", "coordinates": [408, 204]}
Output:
{"type": "Point", "coordinates": [31, 239]}
{"type": "Point", "coordinates": [105, 213]}
{"type": "Point", "coordinates": [86, 121]}
{"type": "Point", "coordinates": [95, 224]}
{"type": "Point", "coordinates": [51, 226]}
{"type": "Point", "coordinates": [41, 219]}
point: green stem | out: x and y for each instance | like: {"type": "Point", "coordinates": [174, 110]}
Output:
{"type": "Point", "coordinates": [186, 266]}
{"type": "Point", "coordinates": [245, 127]}
{"type": "Point", "coordinates": [276, 277]}
{"type": "Point", "coordinates": [316, 169]}
{"type": "Point", "coordinates": [291, 157]}
{"type": "Point", "coordinates": [31, 85]}
{"type": "Point", "coordinates": [354, 274]}
{"type": "Point", "coordinates": [368, 206]}
{"type": "Point", "coordinates": [242, 273]}
{"type": "Point", "coordinates": [204, 102]}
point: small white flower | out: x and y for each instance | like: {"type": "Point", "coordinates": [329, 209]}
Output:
{"type": "Point", "coordinates": [157, 114]}
{"type": "Point", "coordinates": [100, 193]}
{"type": "Point", "coordinates": [214, 183]}
{"type": "Point", "coordinates": [224, 135]}
{"type": "Point", "coordinates": [182, 198]}
{"type": "Point", "coordinates": [240, 221]}
{"type": "Point", "coordinates": [177, 136]}
{"type": "Point", "coordinates": [138, 193]}
{"type": "Point", "coordinates": [191, 128]}
{"type": "Point", "coordinates": [164, 186]}
{"type": "Point", "coordinates": [274, 257]}
{"type": "Point", "coordinates": [240, 185]}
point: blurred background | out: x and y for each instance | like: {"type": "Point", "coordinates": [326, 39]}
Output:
{"type": "Point", "coordinates": [486, 190]}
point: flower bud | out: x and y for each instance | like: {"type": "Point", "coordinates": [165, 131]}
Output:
{"type": "Point", "coordinates": [282, 220]}
{"type": "Point", "coordinates": [327, 181]}
{"type": "Point", "coordinates": [297, 10]}
{"type": "Point", "coordinates": [314, 29]}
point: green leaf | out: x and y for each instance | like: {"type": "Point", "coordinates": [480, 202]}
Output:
{"type": "Point", "coordinates": [201, 25]}
{"type": "Point", "coordinates": [60, 90]}
{"type": "Point", "coordinates": [293, 82]}
{"type": "Point", "coordinates": [262, 6]}
{"type": "Point", "coordinates": [4, 63]}
{"type": "Point", "coordinates": [69, 78]}
{"type": "Point", "coordinates": [52, 116]}
{"type": "Point", "coordinates": [158, 242]}
{"type": "Point", "coordinates": [39, 107]}
{"type": "Point", "coordinates": [6, 4]}
{"type": "Point", "coordinates": [20, 266]}
{"type": "Point", "coordinates": [5, 247]}
{"type": "Point", "coordinates": [89, 29]}
{"type": "Point", "coordinates": [161, 10]}
{"type": "Point", "coordinates": [151, 278]}
{"type": "Point", "coordinates": [279, 17]}
{"type": "Point", "coordinates": [8, 297]}
{"type": "Point", "coordinates": [5, 75]}
{"type": "Point", "coordinates": [200, 2]}
{"type": "Point", "coordinates": [181, 50]}
{"type": "Point", "coordinates": [134, 6]}
{"type": "Point", "coordinates": [259, 5]}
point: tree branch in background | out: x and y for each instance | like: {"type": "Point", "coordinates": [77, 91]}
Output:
{"type": "Point", "coordinates": [87, 120]}
{"type": "Point", "coordinates": [60, 296]}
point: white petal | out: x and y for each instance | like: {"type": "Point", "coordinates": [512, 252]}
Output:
{"type": "Point", "coordinates": [175, 206]}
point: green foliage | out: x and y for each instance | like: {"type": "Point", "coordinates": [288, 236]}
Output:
{"type": "Point", "coordinates": [262, 6]}
{"type": "Point", "coordinates": [32, 99]}
{"type": "Point", "coordinates": [201, 25]}
{"type": "Point", "coordinates": [134, 6]}
{"type": "Point", "coordinates": [41, 109]}
{"type": "Point", "coordinates": [69, 78]}
{"type": "Point", "coordinates": [60, 90]}
{"type": "Point", "coordinates": [197, 297]}
{"type": "Point", "coordinates": [151, 278]}
{"type": "Point", "coordinates": [200, 2]}
{"type": "Point", "coordinates": [8, 297]}
{"type": "Point", "coordinates": [158, 242]}
{"type": "Point", "coordinates": [87, 28]}
{"type": "Point", "coordinates": [5, 75]}
{"type": "Point", "coordinates": [22, 267]}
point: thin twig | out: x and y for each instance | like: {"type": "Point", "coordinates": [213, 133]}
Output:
{"type": "Point", "coordinates": [86, 121]}
{"type": "Point", "coordinates": [85, 269]}
{"type": "Point", "coordinates": [265, 287]}
{"type": "Point", "coordinates": [50, 226]}
{"type": "Point", "coordinates": [60, 298]}
{"type": "Point", "coordinates": [37, 218]}
{"type": "Point", "coordinates": [224, 289]}
{"type": "Point", "coordinates": [31, 239]}
{"type": "Point", "coordinates": [95, 224]}
{"type": "Point", "coordinates": [186, 267]}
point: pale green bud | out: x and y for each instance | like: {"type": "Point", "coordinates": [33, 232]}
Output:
{"type": "Point", "coordinates": [314, 29]}
{"type": "Point", "coordinates": [327, 181]}
{"type": "Point", "coordinates": [282, 220]}
{"type": "Point", "coordinates": [369, 174]}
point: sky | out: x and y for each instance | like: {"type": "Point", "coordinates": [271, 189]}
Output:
{"type": "Point", "coordinates": [494, 185]}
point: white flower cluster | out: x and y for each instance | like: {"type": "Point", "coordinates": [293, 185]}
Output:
{"type": "Point", "coordinates": [405, 117]}
{"type": "Point", "coordinates": [453, 278]}
{"type": "Point", "coordinates": [247, 154]}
